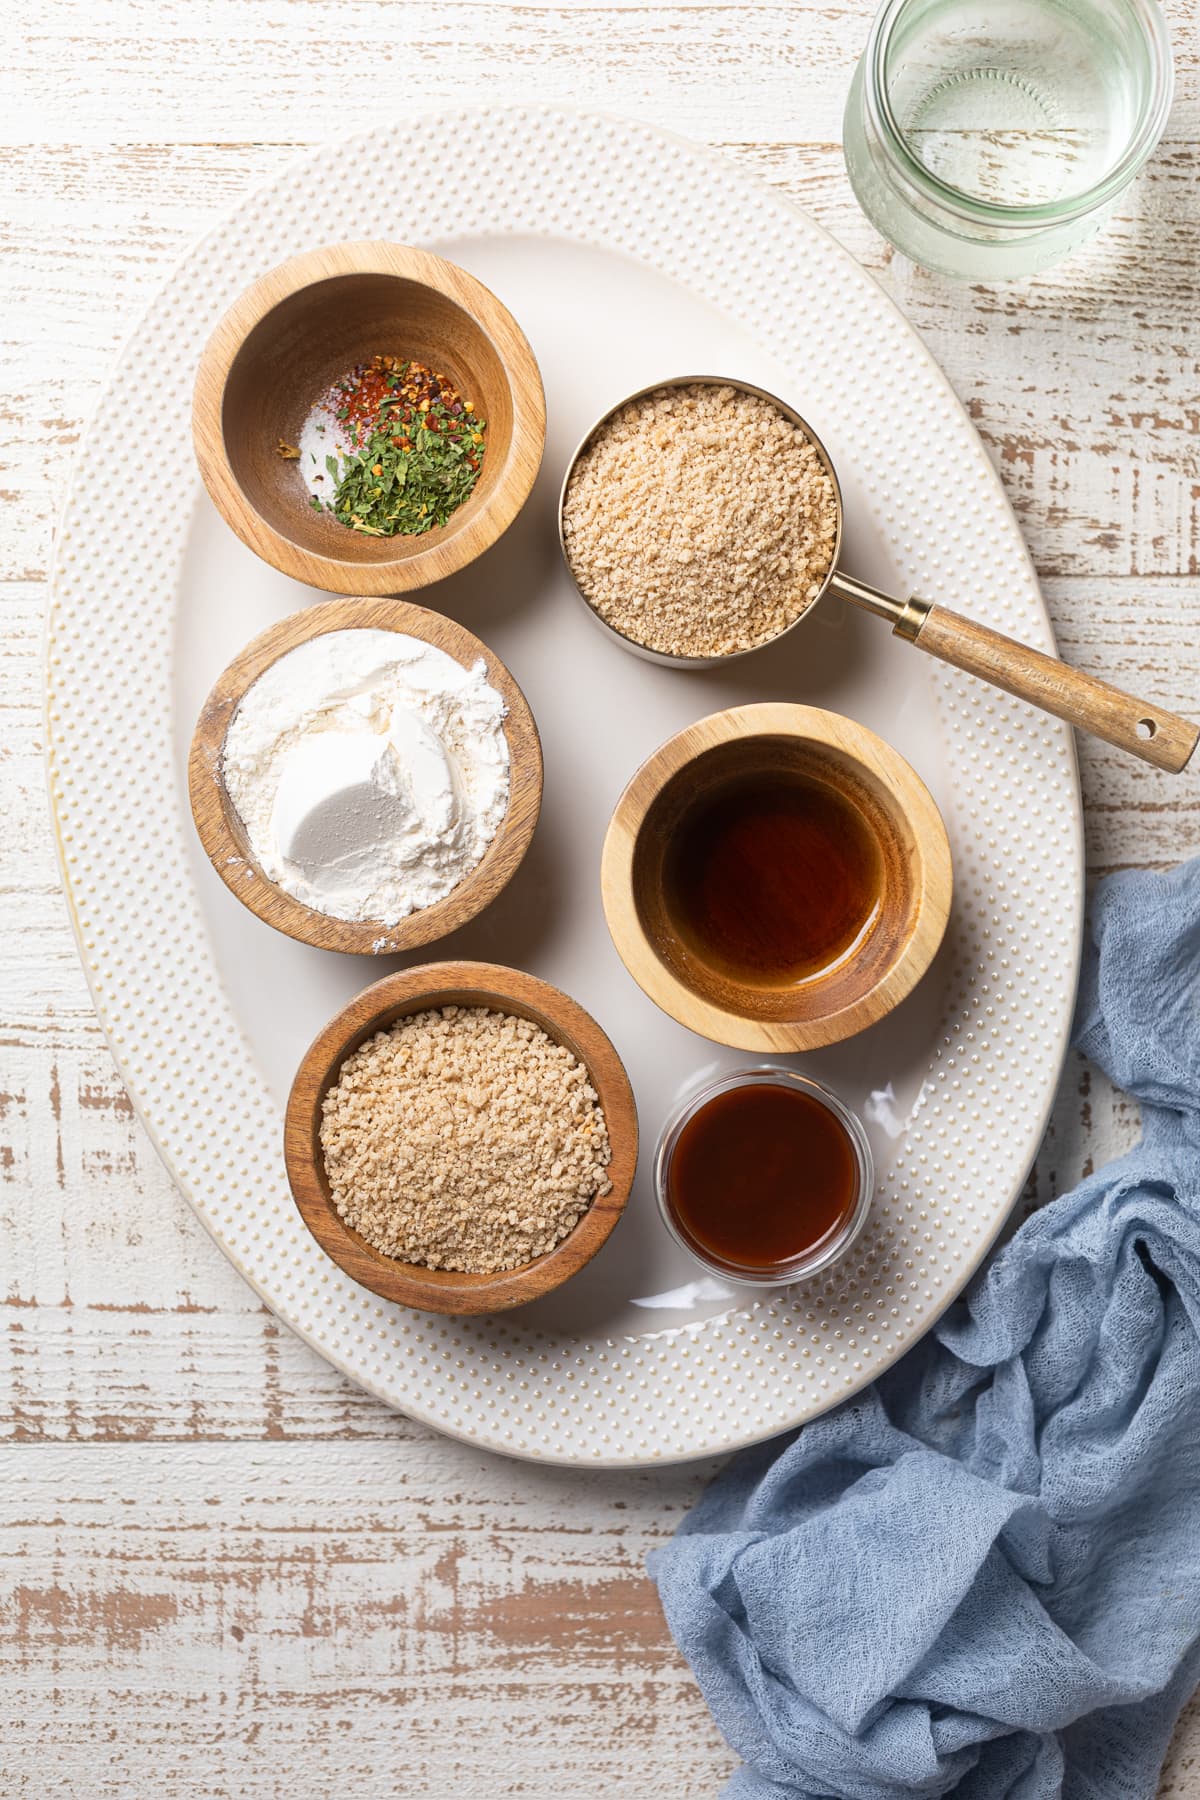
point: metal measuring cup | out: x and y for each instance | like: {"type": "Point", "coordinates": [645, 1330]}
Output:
{"type": "Point", "coordinates": [1137, 726]}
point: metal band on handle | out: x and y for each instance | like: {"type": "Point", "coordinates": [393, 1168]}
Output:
{"type": "Point", "coordinates": [913, 615]}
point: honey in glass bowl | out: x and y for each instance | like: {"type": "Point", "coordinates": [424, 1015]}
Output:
{"type": "Point", "coordinates": [764, 1177]}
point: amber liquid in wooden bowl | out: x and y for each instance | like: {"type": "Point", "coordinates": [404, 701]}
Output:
{"type": "Point", "coordinates": [776, 877]}
{"type": "Point", "coordinates": [773, 879]}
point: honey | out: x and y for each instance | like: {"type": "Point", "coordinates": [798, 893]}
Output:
{"type": "Point", "coordinates": [772, 880]}
{"type": "Point", "coordinates": [762, 1176]}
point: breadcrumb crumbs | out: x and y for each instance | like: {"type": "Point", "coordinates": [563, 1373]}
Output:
{"type": "Point", "coordinates": [700, 521]}
{"type": "Point", "coordinates": [464, 1139]}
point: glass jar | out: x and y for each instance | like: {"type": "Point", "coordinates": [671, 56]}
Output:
{"type": "Point", "coordinates": [821, 1254]}
{"type": "Point", "coordinates": [988, 138]}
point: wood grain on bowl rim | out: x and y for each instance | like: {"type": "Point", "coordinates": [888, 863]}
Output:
{"type": "Point", "coordinates": [174, 1387]}
{"type": "Point", "coordinates": [224, 836]}
{"type": "Point", "coordinates": [425, 988]}
{"type": "Point", "coordinates": [925, 849]}
{"type": "Point", "coordinates": [468, 533]}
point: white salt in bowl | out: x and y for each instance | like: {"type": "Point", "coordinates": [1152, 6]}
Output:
{"type": "Point", "coordinates": [224, 835]}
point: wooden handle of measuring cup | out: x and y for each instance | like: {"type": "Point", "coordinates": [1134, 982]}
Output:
{"type": "Point", "coordinates": [1145, 730]}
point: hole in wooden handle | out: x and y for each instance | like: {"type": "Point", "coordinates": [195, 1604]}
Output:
{"type": "Point", "coordinates": [1146, 728]}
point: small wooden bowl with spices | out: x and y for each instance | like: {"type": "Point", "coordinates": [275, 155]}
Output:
{"type": "Point", "coordinates": [369, 418]}
{"type": "Point", "coordinates": [461, 1138]}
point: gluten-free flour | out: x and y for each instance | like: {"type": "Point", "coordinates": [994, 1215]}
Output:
{"type": "Point", "coordinates": [371, 772]}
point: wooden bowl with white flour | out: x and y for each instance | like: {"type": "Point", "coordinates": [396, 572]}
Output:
{"type": "Point", "coordinates": [337, 814]}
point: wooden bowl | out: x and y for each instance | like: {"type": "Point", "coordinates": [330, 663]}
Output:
{"type": "Point", "coordinates": [305, 325]}
{"type": "Point", "coordinates": [418, 990]}
{"type": "Point", "coordinates": [914, 858]}
{"type": "Point", "coordinates": [224, 836]}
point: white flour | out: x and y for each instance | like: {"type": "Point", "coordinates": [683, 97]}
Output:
{"type": "Point", "coordinates": [371, 772]}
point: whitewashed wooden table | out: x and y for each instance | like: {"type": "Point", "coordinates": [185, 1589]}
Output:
{"type": "Point", "coordinates": [223, 1570]}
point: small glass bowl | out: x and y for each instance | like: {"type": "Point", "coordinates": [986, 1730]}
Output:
{"type": "Point", "coordinates": [800, 1268]}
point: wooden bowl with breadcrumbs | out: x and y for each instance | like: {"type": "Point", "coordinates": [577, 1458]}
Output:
{"type": "Point", "coordinates": [461, 1138]}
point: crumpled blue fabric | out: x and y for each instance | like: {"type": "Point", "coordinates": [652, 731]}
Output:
{"type": "Point", "coordinates": [982, 1576]}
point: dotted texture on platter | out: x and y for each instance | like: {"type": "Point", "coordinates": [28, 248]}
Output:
{"type": "Point", "coordinates": [1016, 928]}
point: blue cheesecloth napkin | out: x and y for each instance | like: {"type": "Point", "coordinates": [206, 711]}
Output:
{"type": "Point", "coordinates": [982, 1576]}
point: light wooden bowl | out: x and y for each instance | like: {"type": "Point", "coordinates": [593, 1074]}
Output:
{"type": "Point", "coordinates": [303, 326]}
{"type": "Point", "coordinates": [417, 990]}
{"type": "Point", "coordinates": [915, 855]}
{"type": "Point", "coordinates": [224, 836]}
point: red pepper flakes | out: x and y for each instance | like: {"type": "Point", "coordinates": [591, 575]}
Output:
{"type": "Point", "coordinates": [411, 447]}
{"type": "Point", "coordinates": [391, 391]}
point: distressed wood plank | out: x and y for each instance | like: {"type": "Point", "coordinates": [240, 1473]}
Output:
{"type": "Point", "coordinates": [1099, 452]}
{"type": "Point", "coordinates": [123, 1322]}
{"type": "Point", "coordinates": [223, 1567]}
{"type": "Point", "coordinates": [285, 1624]}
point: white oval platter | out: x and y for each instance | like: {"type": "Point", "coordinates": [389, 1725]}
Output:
{"type": "Point", "coordinates": [627, 255]}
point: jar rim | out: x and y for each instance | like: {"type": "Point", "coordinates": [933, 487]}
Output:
{"type": "Point", "coordinates": [972, 209]}
{"type": "Point", "coordinates": [834, 1248]}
